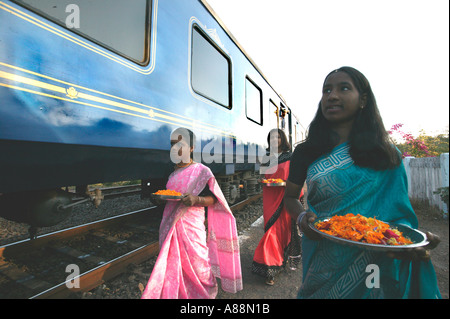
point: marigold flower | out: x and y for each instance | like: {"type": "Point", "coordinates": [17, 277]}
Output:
{"type": "Point", "coordinates": [363, 229]}
{"type": "Point", "coordinates": [272, 180]}
{"type": "Point", "coordinates": [168, 192]}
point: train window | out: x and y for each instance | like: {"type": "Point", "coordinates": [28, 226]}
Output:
{"type": "Point", "coordinates": [273, 115]}
{"type": "Point", "coordinates": [120, 26]}
{"type": "Point", "coordinates": [210, 70]}
{"type": "Point", "coordinates": [253, 101]}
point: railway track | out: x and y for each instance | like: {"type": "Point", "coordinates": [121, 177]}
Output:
{"type": "Point", "coordinates": [80, 258]}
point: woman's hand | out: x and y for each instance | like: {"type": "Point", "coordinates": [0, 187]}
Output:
{"type": "Point", "coordinates": [419, 253]}
{"type": "Point", "coordinates": [309, 217]}
{"type": "Point", "coordinates": [190, 200]}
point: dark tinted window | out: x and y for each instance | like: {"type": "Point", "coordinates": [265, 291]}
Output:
{"type": "Point", "coordinates": [210, 70]}
{"type": "Point", "coordinates": [121, 26]}
{"type": "Point", "coordinates": [253, 101]}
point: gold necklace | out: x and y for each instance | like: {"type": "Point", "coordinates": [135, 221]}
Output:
{"type": "Point", "coordinates": [184, 165]}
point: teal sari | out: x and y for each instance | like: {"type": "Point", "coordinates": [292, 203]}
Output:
{"type": "Point", "coordinates": [336, 187]}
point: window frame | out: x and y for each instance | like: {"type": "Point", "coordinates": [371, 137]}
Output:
{"type": "Point", "coordinates": [261, 108]}
{"type": "Point", "coordinates": [271, 113]}
{"type": "Point", "coordinates": [202, 33]}
{"type": "Point", "coordinates": [147, 40]}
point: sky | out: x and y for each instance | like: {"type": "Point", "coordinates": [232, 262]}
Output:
{"type": "Point", "coordinates": [401, 46]}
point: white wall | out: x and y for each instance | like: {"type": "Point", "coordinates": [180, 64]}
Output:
{"type": "Point", "coordinates": [426, 175]}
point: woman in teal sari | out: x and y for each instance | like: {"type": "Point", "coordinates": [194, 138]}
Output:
{"type": "Point", "coordinates": [350, 166]}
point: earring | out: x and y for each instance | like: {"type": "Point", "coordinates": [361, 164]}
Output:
{"type": "Point", "coordinates": [362, 106]}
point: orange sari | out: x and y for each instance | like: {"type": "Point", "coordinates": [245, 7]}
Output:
{"type": "Point", "coordinates": [280, 240]}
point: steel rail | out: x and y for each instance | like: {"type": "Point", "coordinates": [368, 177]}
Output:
{"type": "Point", "coordinates": [69, 232]}
{"type": "Point", "coordinates": [106, 271]}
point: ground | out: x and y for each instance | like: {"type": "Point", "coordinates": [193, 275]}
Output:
{"type": "Point", "coordinates": [130, 284]}
{"type": "Point", "coordinates": [288, 282]}
{"type": "Point", "coordinates": [432, 221]}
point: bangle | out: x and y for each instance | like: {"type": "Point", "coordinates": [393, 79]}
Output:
{"type": "Point", "coordinates": [299, 220]}
{"type": "Point", "coordinates": [300, 217]}
{"type": "Point", "coordinates": [200, 200]}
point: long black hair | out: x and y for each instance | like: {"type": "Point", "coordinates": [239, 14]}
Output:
{"type": "Point", "coordinates": [370, 145]}
{"type": "Point", "coordinates": [285, 145]}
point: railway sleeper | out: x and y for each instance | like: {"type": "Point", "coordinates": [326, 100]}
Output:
{"type": "Point", "coordinates": [21, 277]}
{"type": "Point", "coordinates": [69, 251]}
{"type": "Point", "coordinates": [115, 240]}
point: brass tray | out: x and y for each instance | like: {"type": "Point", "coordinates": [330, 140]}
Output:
{"type": "Point", "coordinates": [418, 238]}
{"type": "Point", "coordinates": [275, 184]}
{"type": "Point", "coordinates": [282, 184]}
{"type": "Point", "coordinates": [168, 197]}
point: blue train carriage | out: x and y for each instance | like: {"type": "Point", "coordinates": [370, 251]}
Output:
{"type": "Point", "coordinates": [90, 91]}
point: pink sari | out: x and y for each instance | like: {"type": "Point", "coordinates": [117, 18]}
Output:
{"type": "Point", "coordinates": [188, 263]}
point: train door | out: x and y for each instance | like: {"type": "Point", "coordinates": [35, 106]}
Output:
{"type": "Point", "coordinates": [289, 120]}
{"type": "Point", "coordinates": [296, 132]}
{"type": "Point", "coordinates": [283, 119]}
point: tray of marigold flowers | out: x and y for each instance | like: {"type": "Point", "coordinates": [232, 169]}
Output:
{"type": "Point", "coordinates": [369, 233]}
{"type": "Point", "coordinates": [273, 182]}
{"type": "Point", "coordinates": [168, 194]}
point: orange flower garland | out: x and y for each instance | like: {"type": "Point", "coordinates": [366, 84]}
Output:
{"type": "Point", "coordinates": [168, 192]}
{"type": "Point", "coordinates": [363, 229]}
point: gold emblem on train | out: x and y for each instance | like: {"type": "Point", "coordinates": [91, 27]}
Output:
{"type": "Point", "coordinates": [72, 92]}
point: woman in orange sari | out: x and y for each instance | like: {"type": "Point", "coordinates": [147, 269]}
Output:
{"type": "Point", "coordinates": [281, 241]}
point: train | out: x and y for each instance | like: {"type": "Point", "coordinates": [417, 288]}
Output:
{"type": "Point", "coordinates": [91, 90]}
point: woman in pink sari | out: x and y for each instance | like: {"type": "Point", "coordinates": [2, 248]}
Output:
{"type": "Point", "coordinates": [188, 261]}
